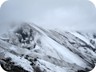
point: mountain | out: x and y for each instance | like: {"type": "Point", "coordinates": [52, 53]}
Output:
{"type": "Point", "coordinates": [29, 48]}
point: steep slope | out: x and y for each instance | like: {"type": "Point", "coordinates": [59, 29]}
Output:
{"type": "Point", "coordinates": [29, 48]}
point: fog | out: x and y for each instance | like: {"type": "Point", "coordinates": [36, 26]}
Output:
{"type": "Point", "coordinates": [50, 14]}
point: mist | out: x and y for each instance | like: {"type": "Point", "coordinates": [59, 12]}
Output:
{"type": "Point", "coordinates": [50, 14]}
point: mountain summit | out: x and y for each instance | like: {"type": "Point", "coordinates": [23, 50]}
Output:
{"type": "Point", "coordinates": [29, 48]}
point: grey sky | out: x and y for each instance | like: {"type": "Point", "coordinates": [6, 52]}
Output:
{"type": "Point", "coordinates": [62, 14]}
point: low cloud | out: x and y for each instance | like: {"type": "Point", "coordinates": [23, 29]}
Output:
{"type": "Point", "coordinates": [50, 14]}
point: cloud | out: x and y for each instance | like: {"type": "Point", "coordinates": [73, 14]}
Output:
{"type": "Point", "coordinates": [51, 14]}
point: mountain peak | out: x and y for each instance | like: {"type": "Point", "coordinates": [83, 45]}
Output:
{"type": "Point", "coordinates": [31, 48]}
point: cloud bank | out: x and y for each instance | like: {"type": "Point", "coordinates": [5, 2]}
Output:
{"type": "Point", "coordinates": [50, 14]}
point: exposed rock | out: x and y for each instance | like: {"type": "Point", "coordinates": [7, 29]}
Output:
{"type": "Point", "coordinates": [29, 48]}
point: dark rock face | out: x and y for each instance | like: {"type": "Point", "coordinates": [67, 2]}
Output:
{"type": "Point", "coordinates": [29, 48]}
{"type": "Point", "coordinates": [81, 71]}
{"type": "Point", "coordinates": [17, 69]}
{"type": "Point", "coordinates": [10, 67]}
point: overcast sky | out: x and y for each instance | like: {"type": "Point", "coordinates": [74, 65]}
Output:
{"type": "Point", "coordinates": [51, 14]}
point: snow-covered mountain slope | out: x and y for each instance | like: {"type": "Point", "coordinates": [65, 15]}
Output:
{"type": "Point", "coordinates": [29, 48]}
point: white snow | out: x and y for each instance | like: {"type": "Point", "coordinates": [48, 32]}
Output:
{"type": "Point", "coordinates": [82, 38]}
{"type": "Point", "coordinates": [53, 49]}
{"type": "Point", "coordinates": [1, 70]}
{"type": "Point", "coordinates": [21, 62]}
{"type": "Point", "coordinates": [68, 56]}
